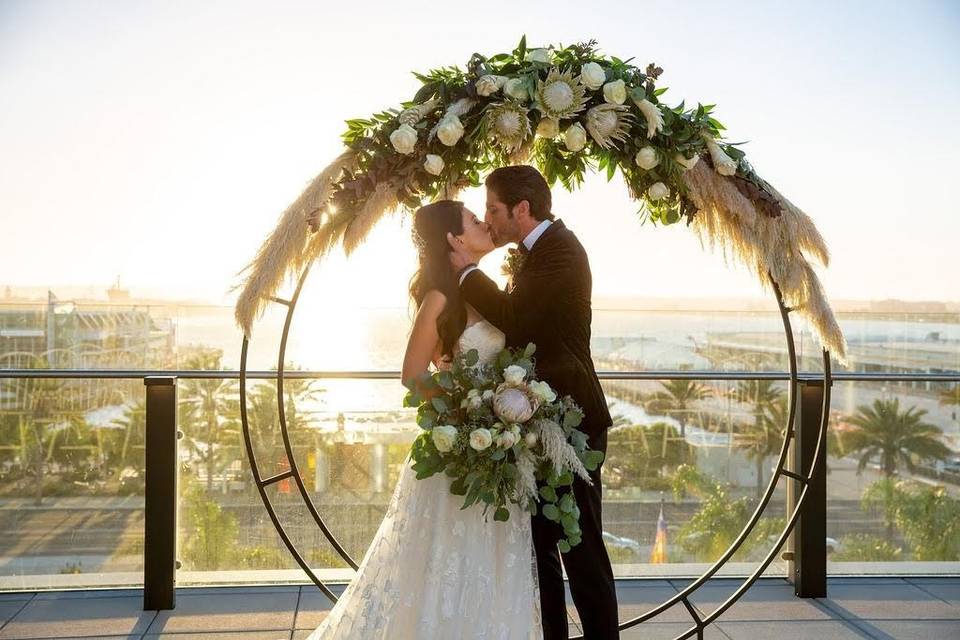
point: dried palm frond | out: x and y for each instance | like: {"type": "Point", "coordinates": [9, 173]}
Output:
{"type": "Point", "coordinates": [770, 246]}
{"type": "Point", "coordinates": [283, 250]}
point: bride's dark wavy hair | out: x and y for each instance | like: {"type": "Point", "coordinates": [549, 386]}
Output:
{"type": "Point", "coordinates": [430, 226]}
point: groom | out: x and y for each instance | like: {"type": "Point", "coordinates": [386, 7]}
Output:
{"type": "Point", "coordinates": [549, 304]}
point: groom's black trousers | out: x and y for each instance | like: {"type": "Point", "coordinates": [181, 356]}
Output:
{"type": "Point", "coordinates": [549, 305]}
{"type": "Point", "coordinates": [587, 564]}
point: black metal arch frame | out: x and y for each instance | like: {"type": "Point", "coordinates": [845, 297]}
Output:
{"type": "Point", "coordinates": [682, 597]}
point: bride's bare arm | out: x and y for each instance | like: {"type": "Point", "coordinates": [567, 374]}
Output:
{"type": "Point", "coordinates": [424, 338]}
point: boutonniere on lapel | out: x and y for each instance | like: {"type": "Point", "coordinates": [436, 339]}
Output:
{"type": "Point", "coordinates": [513, 262]}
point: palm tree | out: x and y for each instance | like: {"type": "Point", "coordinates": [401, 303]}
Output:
{"type": "Point", "coordinates": [639, 452]}
{"type": "Point", "coordinates": [263, 419]}
{"type": "Point", "coordinates": [951, 395]}
{"type": "Point", "coordinates": [212, 408]}
{"type": "Point", "coordinates": [720, 518]}
{"type": "Point", "coordinates": [677, 399]}
{"type": "Point", "coordinates": [928, 517]}
{"type": "Point", "coordinates": [764, 437]}
{"type": "Point", "coordinates": [894, 435]}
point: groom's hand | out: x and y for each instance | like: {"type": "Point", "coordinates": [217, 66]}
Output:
{"type": "Point", "coordinates": [460, 257]}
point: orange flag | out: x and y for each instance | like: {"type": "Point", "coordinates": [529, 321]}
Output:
{"type": "Point", "coordinates": [658, 555]}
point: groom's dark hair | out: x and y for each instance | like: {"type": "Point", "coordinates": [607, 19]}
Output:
{"type": "Point", "coordinates": [522, 182]}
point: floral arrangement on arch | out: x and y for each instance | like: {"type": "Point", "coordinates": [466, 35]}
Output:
{"type": "Point", "coordinates": [568, 110]}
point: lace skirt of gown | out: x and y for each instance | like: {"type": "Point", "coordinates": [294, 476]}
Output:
{"type": "Point", "coordinates": [434, 571]}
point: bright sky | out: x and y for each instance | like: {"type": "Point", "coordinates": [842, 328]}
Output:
{"type": "Point", "coordinates": [160, 141]}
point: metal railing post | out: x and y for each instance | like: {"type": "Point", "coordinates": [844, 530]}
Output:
{"type": "Point", "coordinates": [160, 494]}
{"type": "Point", "coordinates": [807, 564]}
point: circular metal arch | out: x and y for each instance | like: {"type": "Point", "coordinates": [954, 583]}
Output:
{"type": "Point", "coordinates": [681, 598]}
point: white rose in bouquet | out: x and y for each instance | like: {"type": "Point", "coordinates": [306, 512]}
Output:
{"type": "Point", "coordinates": [615, 92]}
{"type": "Point", "coordinates": [513, 405]}
{"type": "Point", "coordinates": [514, 374]}
{"type": "Point", "coordinates": [530, 438]}
{"type": "Point", "coordinates": [543, 391]}
{"type": "Point", "coordinates": [592, 75]}
{"type": "Point", "coordinates": [506, 439]}
{"type": "Point", "coordinates": [433, 164]}
{"type": "Point", "coordinates": [450, 130]}
{"type": "Point", "coordinates": [404, 139]}
{"type": "Point", "coordinates": [538, 55]}
{"type": "Point", "coordinates": [548, 128]}
{"type": "Point", "coordinates": [444, 437]}
{"type": "Point", "coordinates": [516, 89]}
{"type": "Point", "coordinates": [473, 401]}
{"type": "Point", "coordinates": [647, 158]}
{"type": "Point", "coordinates": [481, 439]}
{"type": "Point", "coordinates": [658, 190]}
{"type": "Point", "coordinates": [575, 137]}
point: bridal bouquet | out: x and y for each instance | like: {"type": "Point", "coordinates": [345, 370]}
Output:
{"type": "Point", "coordinates": [497, 431]}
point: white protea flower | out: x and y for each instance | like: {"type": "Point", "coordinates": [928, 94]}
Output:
{"type": "Point", "coordinates": [651, 114]}
{"type": "Point", "coordinates": [516, 88]}
{"type": "Point", "coordinates": [404, 139]}
{"type": "Point", "coordinates": [608, 123]}
{"type": "Point", "coordinates": [508, 124]}
{"type": "Point", "coordinates": [615, 92]}
{"type": "Point", "coordinates": [548, 128]}
{"type": "Point", "coordinates": [722, 163]}
{"type": "Point", "coordinates": [647, 158]}
{"type": "Point", "coordinates": [560, 95]}
{"type": "Point", "coordinates": [489, 84]}
{"type": "Point", "coordinates": [575, 138]}
{"type": "Point", "coordinates": [433, 164]}
{"type": "Point", "coordinates": [657, 191]}
{"type": "Point", "coordinates": [686, 163]}
{"type": "Point", "coordinates": [416, 113]}
{"type": "Point", "coordinates": [592, 75]}
{"type": "Point", "coordinates": [450, 130]}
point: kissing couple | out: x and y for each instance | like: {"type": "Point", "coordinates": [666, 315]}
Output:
{"type": "Point", "coordinates": [432, 569]}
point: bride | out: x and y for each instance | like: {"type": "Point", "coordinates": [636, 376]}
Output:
{"type": "Point", "coordinates": [432, 569]}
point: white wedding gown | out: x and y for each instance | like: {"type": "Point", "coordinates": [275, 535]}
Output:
{"type": "Point", "coordinates": [436, 571]}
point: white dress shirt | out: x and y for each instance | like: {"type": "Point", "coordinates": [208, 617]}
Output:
{"type": "Point", "coordinates": [528, 242]}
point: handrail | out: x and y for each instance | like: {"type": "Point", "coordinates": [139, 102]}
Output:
{"type": "Point", "coordinates": [656, 374]}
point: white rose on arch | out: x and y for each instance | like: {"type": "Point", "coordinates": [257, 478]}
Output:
{"type": "Point", "coordinates": [539, 55]}
{"type": "Point", "coordinates": [686, 163]}
{"type": "Point", "coordinates": [404, 139]}
{"type": "Point", "coordinates": [647, 158]}
{"type": "Point", "coordinates": [615, 92]}
{"type": "Point", "coordinates": [444, 437]}
{"type": "Point", "coordinates": [575, 137]}
{"type": "Point", "coordinates": [592, 75]}
{"type": "Point", "coordinates": [548, 128]}
{"type": "Point", "coordinates": [450, 130]}
{"type": "Point", "coordinates": [480, 439]}
{"type": "Point", "coordinates": [657, 191]}
{"type": "Point", "coordinates": [489, 84]}
{"type": "Point", "coordinates": [433, 164]}
{"type": "Point", "coordinates": [516, 89]}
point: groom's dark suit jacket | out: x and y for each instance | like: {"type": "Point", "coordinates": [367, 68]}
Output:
{"type": "Point", "coordinates": [549, 305]}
